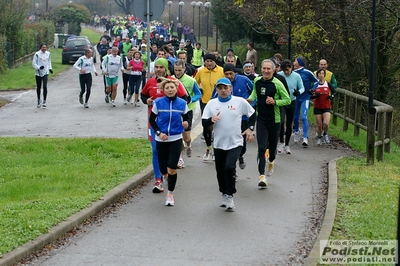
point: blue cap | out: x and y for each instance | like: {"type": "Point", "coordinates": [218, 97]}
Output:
{"type": "Point", "coordinates": [223, 81]}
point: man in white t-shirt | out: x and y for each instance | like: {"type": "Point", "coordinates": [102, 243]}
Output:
{"type": "Point", "coordinates": [225, 114]}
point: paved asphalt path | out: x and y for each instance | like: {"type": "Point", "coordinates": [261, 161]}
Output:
{"type": "Point", "coordinates": [264, 229]}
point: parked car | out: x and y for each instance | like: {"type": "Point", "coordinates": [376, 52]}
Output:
{"type": "Point", "coordinates": [75, 47]}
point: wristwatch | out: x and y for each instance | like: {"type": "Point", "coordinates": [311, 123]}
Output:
{"type": "Point", "coordinates": [251, 128]}
{"type": "Point", "coordinates": [158, 132]}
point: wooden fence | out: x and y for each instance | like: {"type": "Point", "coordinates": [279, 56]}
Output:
{"type": "Point", "coordinates": [377, 121]}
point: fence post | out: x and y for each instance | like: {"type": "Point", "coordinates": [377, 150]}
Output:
{"type": "Point", "coordinates": [346, 112]}
{"type": "Point", "coordinates": [388, 131]}
{"type": "Point", "coordinates": [371, 136]}
{"type": "Point", "coordinates": [335, 108]}
{"type": "Point", "coordinates": [381, 137]}
{"type": "Point", "coordinates": [357, 118]}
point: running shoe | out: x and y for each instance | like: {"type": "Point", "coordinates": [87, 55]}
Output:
{"type": "Point", "coordinates": [158, 186]}
{"type": "Point", "coordinates": [137, 104]}
{"type": "Point", "coordinates": [86, 105]}
{"type": "Point", "coordinates": [80, 99]}
{"type": "Point", "coordinates": [230, 205]}
{"type": "Point", "coordinates": [129, 98]}
{"type": "Point", "coordinates": [280, 146]}
{"type": "Point", "coordinates": [189, 151]}
{"type": "Point", "coordinates": [287, 150]}
{"type": "Point", "coordinates": [319, 141]}
{"type": "Point", "coordinates": [242, 163]}
{"type": "Point", "coordinates": [169, 200]}
{"type": "Point", "coordinates": [224, 200]}
{"type": "Point", "coordinates": [326, 139]}
{"type": "Point", "coordinates": [212, 156]}
{"type": "Point", "coordinates": [270, 170]}
{"type": "Point", "coordinates": [39, 104]}
{"type": "Point", "coordinates": [305, 142]}
{"type": "Point", "coordinates": [296, 137]}
{"type": "Point", "coordinates": [262, 181]}
{"type": "Point", "coordinates": [107, 98]}
{"type": "Point", "coordinates": [207, 155]}
{"type": "Point", "coordinates": [181, 163]}
{"type": "Point", "coordinates": [44, 104]}
{"type": "Point", "coordinates": [112, 103]}
{"type": "Point", "coordinates": [125, 101]}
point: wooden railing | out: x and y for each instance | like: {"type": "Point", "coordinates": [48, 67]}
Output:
{"type": "Point", "coordinates": [377, 121]}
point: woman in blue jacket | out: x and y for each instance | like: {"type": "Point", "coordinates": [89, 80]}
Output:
{"type": "Point", "coordinates": [169, 119]}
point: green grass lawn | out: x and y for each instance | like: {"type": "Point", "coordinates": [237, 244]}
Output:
{"type": "Point", "coordinates": [45, 180]}
{"type": "Point", "coordinates": [23, 76]}
{"type": "Point", "coordinates": [367, 195]}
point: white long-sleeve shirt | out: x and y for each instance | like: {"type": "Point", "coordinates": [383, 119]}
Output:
{"type": "Point", "coordinates": [85, 63]}
{"type": "Point", "coordinates": [41, 59]}
{"type": "Point", "coordinates": [112, 65]}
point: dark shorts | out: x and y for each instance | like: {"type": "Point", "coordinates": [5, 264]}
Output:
{"type": "Point", "coordinates": [321, 111]}
{"type": "Point", "coordinates": [190, 120]}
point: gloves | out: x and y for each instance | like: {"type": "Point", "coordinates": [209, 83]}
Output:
{"type": "Point", "coordinates": [41, 67]}
{"type": "Point", "coordinates": [311, 92]}
{"type": "Point", "coordinates": [331, 97]}
{"type": "Point", "coordinates": [296, 93]}
{"type": "Point", "coordinates": [51, 71]}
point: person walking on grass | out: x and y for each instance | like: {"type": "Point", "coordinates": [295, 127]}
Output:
{"type": "Point", "coordinates": [85, 66]}
{"type": "Point", "coordinates": [225, 113]}
{"type": "Point", "coordinates": [41, 62]}
{"type": "Point", "coordinates": [322, 93]}
{"type": "Point", "coordinates": [111, 66]}
{"type": "Point", "coordinates": [271, 94]}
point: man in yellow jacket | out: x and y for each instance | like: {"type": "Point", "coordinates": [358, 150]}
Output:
{"type": "Point", "coordinates": [206, 78]}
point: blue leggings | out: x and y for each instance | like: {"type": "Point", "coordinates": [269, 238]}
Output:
{"type": "Point", "coordinates": [156, 166]}
{"type": "Point", "coordinates": [134, 84]}
{"type": "Point", "coordinates": [304, 106]}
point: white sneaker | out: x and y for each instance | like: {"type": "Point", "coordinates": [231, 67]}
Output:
{"type": "Point", "coordinates": [86, 105]}
{"type": "Point", "coordinates": [112, 103]}
{"type": "Point", "coordinates": [169, 200]}
{"type": "Point", "coordinates": [224, 201]}
{"type": "Point", "coordinates": [305, 142]}
{"type": "Point", "coordinates": [230, 205]}
{"type": "Point", "coordinates": [280, 146]}
{"type": "Point", "coordinates": [44, 104]}
{"type": "Point", "coordinates": [326, 139]}
{"type": "Point", "coordinates": [271, 166]}
{"type": "Point", "coordinates": [319, 141]}
{"type": "Point", "coordinates": [181, 163]}
{"type": "Point", "coordinates": [262, 181]}
{"type": "Point", "coordinates": [137, 104]}
{"type": "Point", "coordinates": [125, 101]}
{"type": "Point", "coordinates": [207, 155]}
{"type": "Point", "coordinates": [287, 150]}
{"type": "Point", "coordinates": [296, 137]}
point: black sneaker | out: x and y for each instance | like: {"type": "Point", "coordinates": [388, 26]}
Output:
{"type": "Point", "coordinates": [80, 99]}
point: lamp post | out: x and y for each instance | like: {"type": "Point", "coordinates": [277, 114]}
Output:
{"type": "Point", "coordinates": [169, 3]}
{"type": "Point", "coordinates": [207, 5]}
{"type": "Point", "coordinates": [199, 4]}
{"type": "Point", "coordinates": [110, 7]}
{"type": "Point", "coordinates": [181, 3]}
{"type": "Point", "coordinates": [193, 3]}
